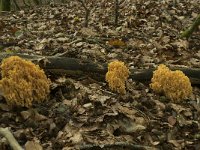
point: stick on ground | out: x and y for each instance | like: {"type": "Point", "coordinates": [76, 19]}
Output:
{"type": "Point", "coordinates": [5, 132]}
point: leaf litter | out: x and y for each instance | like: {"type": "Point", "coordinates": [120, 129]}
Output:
{"type": "Point", "coordinates": [83, 113]}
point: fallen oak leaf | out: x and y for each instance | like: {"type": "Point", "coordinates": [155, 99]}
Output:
{"type": "Point", "coordinates": [116, 43]}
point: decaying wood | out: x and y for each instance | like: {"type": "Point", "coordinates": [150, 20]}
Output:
{"type": "Point", "coordinates": [146, 75]}
{"type": "Point", "coordinates": [5, 132]}
{"type": "Point", "coordinates": [77, 67]}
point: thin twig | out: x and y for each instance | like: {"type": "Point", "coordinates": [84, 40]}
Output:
{"type": "Point", "coordinates": [10, 138]}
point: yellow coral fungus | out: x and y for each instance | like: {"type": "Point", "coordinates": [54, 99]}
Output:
{"type": "Point", "coordinates": [23, 82]}
{"type": "Point", "coordinates": [116, 76]}
{"type": "Point", "coordinates": [174, 84]}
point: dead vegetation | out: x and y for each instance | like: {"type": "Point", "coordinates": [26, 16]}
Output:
{"type": "Point", "coordinates": [83, 113]}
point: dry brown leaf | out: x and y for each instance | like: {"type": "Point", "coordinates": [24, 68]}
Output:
{"type": "Point", "coordinates": [4, 107]}
{"type": "Point", "coordinates": [171, 120]}
{"type": "Point", "coordinates": [32, 145]}
{"type": "Point", "coordinates": [88, 32]}
{"type": "Point", "coordinates": [116, 43]}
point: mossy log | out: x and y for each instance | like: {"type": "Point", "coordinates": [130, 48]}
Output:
{"type": "Point", "coordinates": [77, 68]}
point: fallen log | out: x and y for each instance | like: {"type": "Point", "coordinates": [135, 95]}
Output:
{"type": "Point", "coordinates": [142, 75]}
{"type": "Point", "coordinates": [77, 68]}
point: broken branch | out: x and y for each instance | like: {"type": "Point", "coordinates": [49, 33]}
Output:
{"type": "Point", "coordinates": [5, 132]}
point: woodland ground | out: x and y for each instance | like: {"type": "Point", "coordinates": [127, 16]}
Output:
{"type": "Point", "coordinates": [82, 112]}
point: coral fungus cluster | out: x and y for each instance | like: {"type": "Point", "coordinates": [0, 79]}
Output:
{"type": "Point", "coordinates": [116, 76]}
{"type": "Point", "coordinates": [174, 84]}
{"type": "Point", "coordinates": [23, 82]}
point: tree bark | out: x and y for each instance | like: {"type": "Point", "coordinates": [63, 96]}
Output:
{"type": "Point", "coordinates": [16, 5]}
{"type": "Point", "coordinates": [5, 5]}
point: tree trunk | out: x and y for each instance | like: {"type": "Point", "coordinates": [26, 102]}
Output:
{"type": "Point", "coordinates": [4, 5]}
{"type": "Point", "coordinates": [116, 12]}
{"type": "Point", "coordinates": [16, 5]}
{"type": "Point", "coordinates": [192, 28]}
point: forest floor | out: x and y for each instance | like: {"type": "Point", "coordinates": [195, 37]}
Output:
{"type": "Point", "coordinates": [83, 113]}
